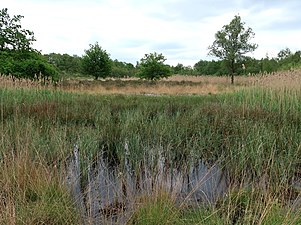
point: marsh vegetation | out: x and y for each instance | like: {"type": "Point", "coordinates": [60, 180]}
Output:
{"type": "Point", "coordinates": [252, 133]}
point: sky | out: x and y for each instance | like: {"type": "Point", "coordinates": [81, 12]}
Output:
{"type": "Point", "coordinates": [182, 30]}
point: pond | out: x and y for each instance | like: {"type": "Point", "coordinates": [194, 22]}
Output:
{"type": "Point", "coordinates": [108, 192]}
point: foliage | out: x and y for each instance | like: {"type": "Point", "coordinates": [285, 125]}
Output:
{"type": "Point", "coordinates": [30, 65]}
{"type": "Point", "coordinates": [269, 65]}
{"type": "Point", "coordinates": [231, 43]}
{"type": "Point", "coordinates": [96, 62]}
{"type": "Point", "coordinates": [65, 63]}
{"type": "Point", "coordinates": [122, 69]}
{"type": "Point", "coordinates": [12, 36]}
{"type": "Point", "coordinates": [152, 67]}
{"type": "Point", "coordinates": [284, 53]}
{"type": "Point", "coordinates": [182, 70]}
{"type": "Point", "coordinates": [17, 58]}
{"type": "Point", "coordinates": [178, 69]}
{"type": "Point", "coordinates": [286, 60]}
{"type": "Point", "coordinates": [72, 65]}
{"type": "Point", "coordinates": [210, 67]}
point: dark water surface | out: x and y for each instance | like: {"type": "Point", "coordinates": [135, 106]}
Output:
{"type": "Point", "coordinates": [107, 193]}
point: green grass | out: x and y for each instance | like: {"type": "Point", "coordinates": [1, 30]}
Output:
{"type": "Point", "coordinates": [254, 134]}
{"type": "Point", "coordinates": [154, 210]}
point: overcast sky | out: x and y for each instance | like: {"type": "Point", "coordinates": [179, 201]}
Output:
{"type": "Point", "coordinates": [181, 30]}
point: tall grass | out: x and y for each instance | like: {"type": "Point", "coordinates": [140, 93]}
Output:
{"type": "Point", "coordinates": [32, 193]}
{"type": "Point", "coordinates": [254, 134]}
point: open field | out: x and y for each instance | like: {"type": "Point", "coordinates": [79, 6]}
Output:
{"type": "Point", "coordinates": [252, 131]}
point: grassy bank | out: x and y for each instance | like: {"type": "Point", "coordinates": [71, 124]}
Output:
{"type": "Point", "coordinates": [254, 134]}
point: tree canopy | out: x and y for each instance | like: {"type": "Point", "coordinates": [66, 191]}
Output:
{"type": "Point", "coordinates": [231, 43]}
{"type": "Point", "coordinates": [17, 58]}
{"type": "Point", "coordinates": [12, 36]}
{"type": "Point", "coordinates": [66, 64]}
{"type": "Point", "coordinates": [96, 62]}
{"type": "Point", "coordinates": [152, 67]}
{"type": "Point", "coordinates": [122, 69]}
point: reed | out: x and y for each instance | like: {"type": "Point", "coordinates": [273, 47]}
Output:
{"type": "Point", "coordinates": [253, 133]}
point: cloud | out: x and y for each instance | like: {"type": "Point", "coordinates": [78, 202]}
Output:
{"type": "Point", "coordinates": [182, 30]}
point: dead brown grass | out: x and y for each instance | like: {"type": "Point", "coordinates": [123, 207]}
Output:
{"type": "Point", "coordinates": [31, 192]}
{"type": "Point", "coordinates": [285, 79]}
{"type": "Point", "coordinates": [175, 85]}
{"type": "Point", "coordinates": [18, 176]}
{"type": "Point", "coordinates": [225, 80]}
{"type": "Point", "coordinates": [158, 89]}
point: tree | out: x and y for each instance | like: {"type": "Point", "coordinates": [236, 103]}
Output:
{"type": "Point", "coordinates": [288, 60]}
{"type": "Point", "coordinates": [231, 43]}
{"type": "Point", "coordinates": [27, 64]}
{"type": "Point", "coordinates": [122, 69]}
{"type": "Point", "coordinates": [17, 58]}
{"type": "Point", "coordinates": [12, 36]}
{"type": "Point", "coordinates": [152, 67]}
{"type": "Point", "coordinates": [65, 63]}
{"type": "Point", "coordinates": [250, 66]}
{"type": "Point", "coordinates": [97, 62]}
{"type": "Point", "coordinates": [284, 53]}
{"type": "Point", "coordinates": [269, 65]}
{"type": "Point", "coordinates": [178, 69]}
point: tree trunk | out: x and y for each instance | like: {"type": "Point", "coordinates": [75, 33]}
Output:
{"type": "Point", "coordinates": [232, 71]}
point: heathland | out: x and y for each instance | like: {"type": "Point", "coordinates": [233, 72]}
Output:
{"type": "Point", "coordinates": [252, 130]}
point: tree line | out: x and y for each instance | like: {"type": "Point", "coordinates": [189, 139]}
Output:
{"type": "Point", "coordinates": [250, 66]}
{"type": "Point", "coordinates": [285, 60]}
{"type": "Point", "coordinates": [19, 60]}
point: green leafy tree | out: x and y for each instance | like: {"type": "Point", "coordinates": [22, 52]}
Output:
{"type": "Point", "coordinates": [210, 67]}
{"type": "Point", "coordinates": [152, 67]}
{"type": "Point", "coordinates": [17, 58]}
{"type": "Point", "coordinates": [178, 69]}
{"type": "Point", "coordinates": [231, 43]}
{"type": "Point", "coordinates": [65, 63]}
{"type": "Point", "coordinates": [122, 69]}
{"type": "Point", "coordinates": [269, 65]}
{"type": "Point", "coordinates": [96, 62]}
{"type": "Point", "coordinates": [284, 53]}
{"type": "Point", "coordinates": [288, 60]}
{"type": "Point", "coordinates": [250, 66]}
{"type": "Point", "coordinates": [12, 36]}
{"type": "Point", "coordinates": [200, 66]}
{"type": "Point", "coordinates": [296, 57]}
{"type": "Point", "coordinates": [27, 64]}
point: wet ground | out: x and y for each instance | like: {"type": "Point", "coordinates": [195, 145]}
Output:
{"type": "Point", "coordinates": [108, 192]}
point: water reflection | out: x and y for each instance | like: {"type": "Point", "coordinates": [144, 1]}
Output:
{"type": "Point", "coordinates": [108, 192]}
